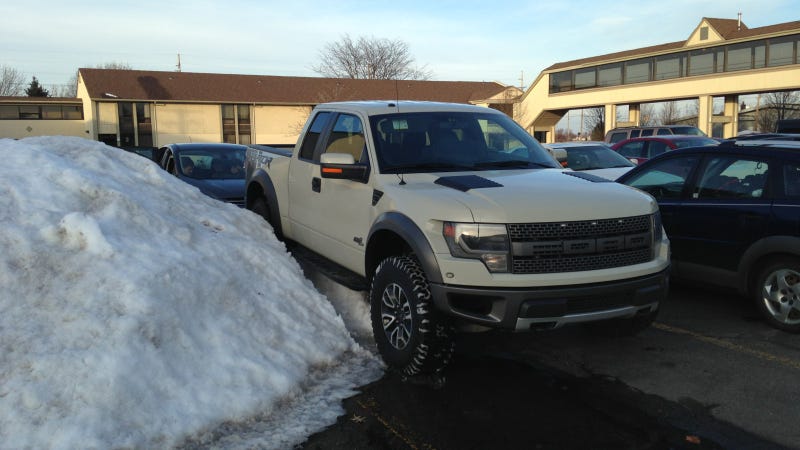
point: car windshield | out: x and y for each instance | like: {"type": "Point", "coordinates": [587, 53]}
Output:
{"type": "Point", "coordinates": [590, 157]}
{"type": "Point", "coordinates": [454, 141]}
{"type": "Point", "coordinates": [205, 163]}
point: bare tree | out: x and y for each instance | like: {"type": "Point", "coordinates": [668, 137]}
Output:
{"type": "Point", "coordinates": [594, 119]}
{"type": "Point", "coordinates": [11, 81]}
{"type": "Point", "coordinates": [647, 114]}
{"type": "Point", "coordinates": [669, 114]}
{"type": "Point", "coordinates": [369, 58]}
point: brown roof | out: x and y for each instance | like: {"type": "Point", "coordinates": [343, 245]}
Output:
{"type": "Point", "coordinates": [727, 28]}
{"type": "Point", "coordinates": [219, 88]}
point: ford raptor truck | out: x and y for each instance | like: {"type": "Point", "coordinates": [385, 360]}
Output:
{"type": "Point", "coordinates": [453, 217]}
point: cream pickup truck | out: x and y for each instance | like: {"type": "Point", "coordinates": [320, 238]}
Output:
{"type": "Point", "coordinates": [454, 218]}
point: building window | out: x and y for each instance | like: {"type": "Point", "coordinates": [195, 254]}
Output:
{"type": "Point", "coordinates": [704, 33]}
{"type": "Point", "coordinates": [637, 71]}
{"type": "Point", "coordinates": [670, 66]}
{"type": "Point", "coordinates": [236, 124]}
{"type": "Point", "coordinates": [561, 81]}
{"type": "Point", "coordinates": [701, 62]}
{"type": "Point", "coordinates": [609, 75]}
{"type": "Point", "coordinates": [33, 112]}
{"type": "Point", "coordinates": [585, 78]}
{"type": "Point", "coordinates": [716, 59]}
{"type": "Point", "coordinates": [781, 51]}
{"type": "Point", "coordinates": [9, 112]}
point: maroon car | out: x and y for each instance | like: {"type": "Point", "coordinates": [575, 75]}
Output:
{"type": "Point", "coordinates": [641, 149]}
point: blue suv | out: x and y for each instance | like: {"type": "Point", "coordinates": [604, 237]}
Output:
{"type": "Point", "coordinates": [732, 214]}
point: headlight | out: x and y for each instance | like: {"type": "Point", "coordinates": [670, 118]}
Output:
{"type": "Point", "coordinates": [487, 242]}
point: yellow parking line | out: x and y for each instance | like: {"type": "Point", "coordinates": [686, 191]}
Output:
{"type": "Point", "coordinates": [788, 362]}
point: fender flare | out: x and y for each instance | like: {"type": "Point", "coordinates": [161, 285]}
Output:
{"type": "Point", "coordinates": [260, 184]}
{"type": "Point", "coordinates": [771, 245]}
{"type": "Point", "coordinates": [404, 227]}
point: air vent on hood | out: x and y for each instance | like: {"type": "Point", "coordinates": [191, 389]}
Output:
{"type": "Point", "coordinates": [466, 182]}
{"type": "Point", "coordinates": [588, 177]}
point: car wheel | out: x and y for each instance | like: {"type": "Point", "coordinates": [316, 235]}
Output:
{"type": "Point", "coordinates": [261, 208]}
{"type": "Point", "coordinates": [623, 327]}
{"type": "Point", "coordinates": [777, 294]}
{"type": "Point", "coordinates": [412, 337]}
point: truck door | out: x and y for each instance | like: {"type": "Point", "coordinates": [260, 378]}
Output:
{"type": "Point", "coordinates": [333, 216]}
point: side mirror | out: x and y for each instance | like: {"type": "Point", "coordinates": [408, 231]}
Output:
{"type": "Point", "coordinates": [342, 166]}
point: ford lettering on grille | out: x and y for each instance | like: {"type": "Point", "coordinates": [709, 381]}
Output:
{"type": "Point", "coordinates": [583, 245]}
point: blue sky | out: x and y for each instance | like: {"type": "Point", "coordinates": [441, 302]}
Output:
{"type": "Point", "coordinates": [455, 40]}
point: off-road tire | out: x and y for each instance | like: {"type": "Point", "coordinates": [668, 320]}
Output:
{"type": "Point", "coordinates": [413, 338]}
{"type": "Point", "coordinates": [261, 207]}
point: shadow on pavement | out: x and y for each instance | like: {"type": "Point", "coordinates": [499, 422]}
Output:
{"type": "Point", "coordinates": [497, 403]}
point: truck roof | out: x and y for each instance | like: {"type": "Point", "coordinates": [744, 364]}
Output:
{"type": "Point", "coordinates": [376, 107]}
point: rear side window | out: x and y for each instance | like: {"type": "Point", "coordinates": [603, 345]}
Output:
{"type": "Point", "coordinates": [312, 135]}
{"type": "Point", "coordinates": [617, 137]}
{"type": "Point", "coordinates": [632, 150]}
{"type": "Point", "coordinates": [662, 131]}
{"type": "Point", "coordinates": [657, 147]}
{"type": "Point", "coordinates": [729, 177]}
{"type": "Point", "coordinates": [648, 132]}
{"type": "Point", "coordinates": [791, 181]}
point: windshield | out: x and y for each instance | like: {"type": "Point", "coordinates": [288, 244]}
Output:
{"type": "Point", "coordinates": [204, 163]}
{"type": "Point", "coordinates": [594, 157]}
{"type": "Point", "coordinates": [453, 141]}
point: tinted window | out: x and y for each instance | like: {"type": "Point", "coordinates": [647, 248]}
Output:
{"type": "Point", "coordinates": [730, 177]}
{"type": "Point", "coordinates": [791, 180]}
{"type": "Point", "coordinates": [656, 148]}
{"type": "Point", "coordinates": [662, 131]}
{"type": "Point", "coordinates": [312, 135]}
{"type": "Point", "coordinates": [665, 179]}
{"type": "Point", "coordinates": [618, 136]}
{"type": "Point", "coordinates": [632, 149]}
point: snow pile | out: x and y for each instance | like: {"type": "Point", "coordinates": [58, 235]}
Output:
{"type": "Point", "coordinates": [136, 312]}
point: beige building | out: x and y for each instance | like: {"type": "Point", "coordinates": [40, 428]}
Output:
{"type": "Point", "coordinates": [144, 109]}
{"type": "Point", "coordinates": [721, 59]}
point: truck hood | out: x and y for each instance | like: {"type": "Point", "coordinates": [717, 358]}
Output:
{"type": "Point", "coordinates": [518, 196]}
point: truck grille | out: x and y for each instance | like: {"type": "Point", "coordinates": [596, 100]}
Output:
{"type": "Point", "coordinates": [581, 245]}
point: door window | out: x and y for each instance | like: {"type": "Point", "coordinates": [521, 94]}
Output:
{"type": "Point", "coordinates": [729, 177]}
{"type": "Point", "coordinates": [665, 179]}
{"type": "Point", "coordinates": [312, 135]}
{"type": "Point", "coordinates": [632, 150]}
{"type": "Point", "coordinates": [347, 136]}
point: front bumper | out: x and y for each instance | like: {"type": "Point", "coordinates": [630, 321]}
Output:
{"type": "Point", "coordinates": [551, 307]}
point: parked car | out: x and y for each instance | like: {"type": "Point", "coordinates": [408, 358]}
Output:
{"type": "Point", "coordinates": [732, 214]}
{"type": "Point", "coordinates": [788, 126]}
{"type": "Point", "coordinates": [595, 158]}
{"type": "Point", "coordinates": [216, 169]}
{"type": "Point", "coordinates": [641, 149]}
{"type": "Point", "coordinates": [621, 133]}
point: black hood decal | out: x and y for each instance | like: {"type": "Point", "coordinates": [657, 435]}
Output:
{"type": "Point", "coordinates": [588, 177]}
{"type": "Point", "coordinates": [466, 182]}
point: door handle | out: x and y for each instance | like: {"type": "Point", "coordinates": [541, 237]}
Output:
{"type": "Point", "coordinates": [316, 184]}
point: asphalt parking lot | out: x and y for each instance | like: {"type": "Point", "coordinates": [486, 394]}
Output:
{"type": "Point", "coordinates": [708, 374]}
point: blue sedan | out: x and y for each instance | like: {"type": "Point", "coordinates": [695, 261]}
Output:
{"type": "Point", "coordinates": [216, 169]}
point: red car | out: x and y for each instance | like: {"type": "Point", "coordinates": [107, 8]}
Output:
{"type": "Point", "coordinates": [641, 149]}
